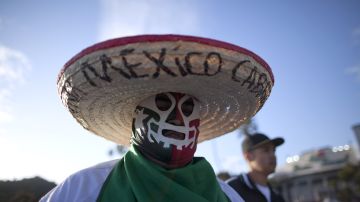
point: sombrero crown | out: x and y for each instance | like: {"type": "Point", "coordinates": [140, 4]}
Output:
{"type": "Point", "coordinates": [102, 85]}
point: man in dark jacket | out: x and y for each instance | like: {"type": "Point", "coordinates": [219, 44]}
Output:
{"type": "Point", "coordinates": [259, 152]}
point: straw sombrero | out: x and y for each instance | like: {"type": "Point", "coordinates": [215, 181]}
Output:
{"type": "Point", "coordinates": [102, 85]}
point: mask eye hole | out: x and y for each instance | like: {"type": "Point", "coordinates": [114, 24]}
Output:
{"type": "Point", "coordinates": [163, 102]}
{"type": "Point", "coordinates": [187, 107]}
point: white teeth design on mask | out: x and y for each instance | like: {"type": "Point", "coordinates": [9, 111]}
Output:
{"type": "Point", "coordinates": [157, 137]}
{"type": "Point", "coordinates": [151, 135]}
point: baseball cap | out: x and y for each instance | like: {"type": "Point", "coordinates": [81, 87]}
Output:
{"type": "Point", "coordinates": [256, 140]}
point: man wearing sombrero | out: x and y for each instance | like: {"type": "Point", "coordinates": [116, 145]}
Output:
{"type": "Point", "coordinates": [160, 95]}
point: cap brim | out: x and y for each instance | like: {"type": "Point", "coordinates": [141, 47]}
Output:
{"type": "Point", "coordinates": [278, 141]}
{"type": "Point", "coordinates": [275, 141]}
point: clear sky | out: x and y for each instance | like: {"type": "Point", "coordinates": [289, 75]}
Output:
{"type": "Point", "coordinates": [313, 48]}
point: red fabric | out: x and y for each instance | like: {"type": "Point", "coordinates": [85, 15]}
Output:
{"type": "Point", "coordinates": [186, 154]}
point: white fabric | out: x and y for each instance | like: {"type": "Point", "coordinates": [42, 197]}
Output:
{"type": "Point", "coordinates": [265, 191]}
{"type": "Point", "coordinates": [82, 186]}
{"type": "Point", "coordinates": [85, 186]}
{"type": "Point", "coordinates": [246, 179]}
{"type": "Point", "coordinates": [230, 192]}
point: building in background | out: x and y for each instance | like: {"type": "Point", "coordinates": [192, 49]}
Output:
{"type": "Point", "coordinates": [356, 129]}
{"type": "Point", "coordinates": [321, 174]}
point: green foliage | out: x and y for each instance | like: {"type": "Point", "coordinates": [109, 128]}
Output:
{"type": "Point", "coordinates": [249, 127]}
{"type": "Point", "coordinates": [26, 190]}
{"type": "Point", "coordinates": [347, 185]}
{"type": "Point", "coordinates": [348, 172]}
{"type": "Point", "coordinates": [118, 150]}
{"type": "Point", "coordinates": [224, 175]}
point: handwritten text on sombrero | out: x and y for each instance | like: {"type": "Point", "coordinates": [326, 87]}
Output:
{"type": "Point", "coordinates": [211, 64]}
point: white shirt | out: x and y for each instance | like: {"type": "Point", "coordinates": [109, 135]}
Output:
{"type": "Point", "coordinates": [263, 189]}
{"type": "Point", "coordinates": [85, 186]}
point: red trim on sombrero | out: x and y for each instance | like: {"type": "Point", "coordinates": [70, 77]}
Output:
{"type": "Point", "coordinates": [157, 38]}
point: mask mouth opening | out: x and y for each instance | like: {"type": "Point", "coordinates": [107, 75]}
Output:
{"type": "Point", "coordinates": [173, 134]}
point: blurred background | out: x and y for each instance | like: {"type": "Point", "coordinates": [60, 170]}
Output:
{"type": "Point", "coordinates": [313, 48]}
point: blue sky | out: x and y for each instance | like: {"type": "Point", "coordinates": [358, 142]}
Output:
{"type": "Point", "coordinates": [313, 48]}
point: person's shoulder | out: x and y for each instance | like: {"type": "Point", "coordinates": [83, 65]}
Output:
{"type": "Point", "coordinates": [83, 185]}
{"type": "Point", "coordinates": [239, 183]}
{"type": "Point", "coordinates": [230, 192]}
{"type": "Point", "coordinates": [99, 168]}
{"type": "Point", "coordinates": [235, 179]}
{"type": "Point", "coordinates": [90, 175]}
{"type": "Point", "coordinates": [276, 196]}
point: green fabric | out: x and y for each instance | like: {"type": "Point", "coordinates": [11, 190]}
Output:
{"type": "Point", "coordinates": [135, 178]}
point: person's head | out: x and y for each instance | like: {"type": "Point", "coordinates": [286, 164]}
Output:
{"type": "Point", "coordinates": [110, 87]}
{"type": "Point", "coordinates": [259, 152]}
{"type": "Point", "coordinates": [165, 128]}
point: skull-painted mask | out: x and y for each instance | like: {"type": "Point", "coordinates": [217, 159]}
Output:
{"type": "Point", "coordinates": [165, 128]}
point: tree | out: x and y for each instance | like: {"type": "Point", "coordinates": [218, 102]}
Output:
{"type": "Point", "coordinates": [249, 127]}
{"type": "Point", "coordinates": [25, 190]}
{"type": "Point", "coordinates": [224, 175]}
{"type": "Point", "coordinates": [118, 150]}
{"type": "Point", "coordinates": [347, 184]}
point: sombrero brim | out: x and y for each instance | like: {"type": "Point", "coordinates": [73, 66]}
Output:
{"type": "Point", "coordinates": [102, 85]}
